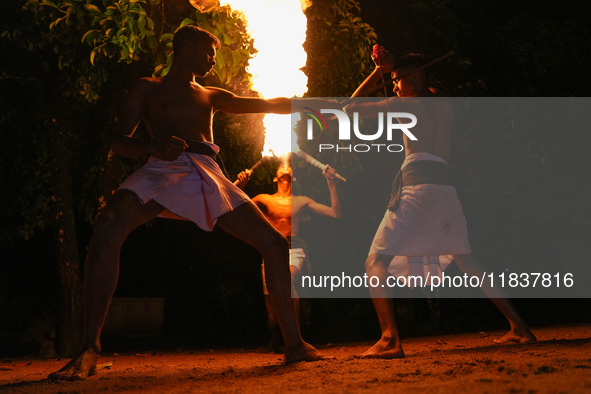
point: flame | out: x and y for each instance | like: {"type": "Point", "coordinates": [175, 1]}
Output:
{"type": "Point", "coordinates": [278, 28]}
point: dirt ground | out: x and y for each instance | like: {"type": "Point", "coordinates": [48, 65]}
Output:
{"type": "Point", "coordinates": [559, 362]}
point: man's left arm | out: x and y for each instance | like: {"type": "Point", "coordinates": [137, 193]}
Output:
{"type": "Point", "coordinates": [222, 100]}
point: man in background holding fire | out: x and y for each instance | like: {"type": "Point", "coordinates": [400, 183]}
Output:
{"type": "Point", "coordinates": [284, 211]}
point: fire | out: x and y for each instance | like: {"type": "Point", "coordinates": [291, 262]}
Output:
{"type": "Point", "coordinates": [278, 28]}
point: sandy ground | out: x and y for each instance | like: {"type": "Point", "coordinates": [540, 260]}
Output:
{"type": "Point", "coordinates": [559, 362]}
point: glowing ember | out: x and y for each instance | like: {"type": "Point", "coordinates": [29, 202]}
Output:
{"type": "Point", "coordinates": [278, 28]}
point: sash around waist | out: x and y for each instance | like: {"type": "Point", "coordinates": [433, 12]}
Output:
{"type": "Point", "coordinates": [418, 173]}
{"type": "Point", "coordinates": [201, 149]}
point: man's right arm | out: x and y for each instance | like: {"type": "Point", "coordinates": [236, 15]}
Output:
{"type": "Point", "coordinates": [383, 67]}
{"type": "Point", "coordinates": [242, 178]}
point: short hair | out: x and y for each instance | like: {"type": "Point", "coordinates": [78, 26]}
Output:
{"type": "Point", "coordinates": [194, 34]}
{"type": "Point", "coordinates": [411, 61]}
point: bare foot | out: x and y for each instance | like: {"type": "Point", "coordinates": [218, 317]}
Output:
{"type": "Point", "coordinates": [306, 352]}
{"type": "Point", "coordinates": [80, 367]}
{"type": "Point", "coordinates": [517, 336]}
{"type": "Point", "coordinates": [384, 349]}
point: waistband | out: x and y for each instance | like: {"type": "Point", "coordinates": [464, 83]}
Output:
{"type": "Point", "coordinates": [203, 148]}
{"type": "Point", "coordinates": [420, 172]}
{"type": "Point", "coordinates": [420, 156]}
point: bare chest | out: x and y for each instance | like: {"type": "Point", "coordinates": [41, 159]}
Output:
{"type": "Point", "coordinates": [279, 208]}
{"type": "Point", "coordinates": [180, 110]}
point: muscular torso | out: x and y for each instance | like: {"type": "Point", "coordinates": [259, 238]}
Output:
{"type": "Point", "coordinates": [283, 212]}
{"type": "Point", "coordinates": [178, 109]}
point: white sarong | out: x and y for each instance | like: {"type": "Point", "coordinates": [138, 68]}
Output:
{"type": "Point", "coordinates": [427, 227]}
{"type": "Point", "coordinates": [193, 187]}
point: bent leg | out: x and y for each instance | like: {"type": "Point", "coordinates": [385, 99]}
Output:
{"type": "Point", "coordinates": [520, 331]}
{"type": "Point", "coordinates": [389, 345]}
{"type": "Point", "coordinates": [248, 224]}
{"type": "Point", "coordinates": [120, 217]}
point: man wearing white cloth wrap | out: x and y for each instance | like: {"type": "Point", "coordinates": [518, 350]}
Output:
{"type": "Point", "coordinates": [423, 228]}
{"type": "Point", "coordinates": [181, 179]}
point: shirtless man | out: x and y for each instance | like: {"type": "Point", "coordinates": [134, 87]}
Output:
{"type": "Point", "coordinates": [408, 214]}
{"type": "Point", "coordinates": [183, 180]}
{"type": "Point", "coordinates": [284, 212]}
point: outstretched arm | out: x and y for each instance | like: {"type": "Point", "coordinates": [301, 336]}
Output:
{"type": "Point", "coordinates": [222, 100]}
{"type": "Point", "coordinates": [334, 211]}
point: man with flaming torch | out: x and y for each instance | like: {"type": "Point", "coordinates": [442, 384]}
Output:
{"type": "Point", "coordinates": [181, 180]}
{"type": "Point", "coordinates": [424, 224]}
{"type": "Point", "coordinates": [284, 211]}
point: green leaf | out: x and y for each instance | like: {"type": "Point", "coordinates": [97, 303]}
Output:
{"type": "Point", "coordinates": [187, 21]}
{"type": "Point", "coordinates": [88, 33]}
{"type": "Point", "coordinates": [220, 60]}
{"type": "Point", "coordinates": [105, 21]}
{"type": "Point", "coordinates": [166, 37]}
{"type": "Point", "coordinates": [92, 8]}
{"type": "Point", "coordinates": [49, 3]}
{"type": "Point", "coordinates": [151, 40]}
{"type": "Point", "coordinates": [92, 55]}
{"type": "Point", "coordinates": [237, 58]}
{"type": "Point", "coordinates": [124, 52]}
{"type": "Point", "coordinates": [142, 26]}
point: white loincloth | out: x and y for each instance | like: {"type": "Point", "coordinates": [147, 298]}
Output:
{"type": "Point", "coordinates": [425, 230]}
{"type": "Point", "coordinates": [193, 187]}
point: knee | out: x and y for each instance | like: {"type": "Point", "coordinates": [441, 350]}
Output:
{"type": "Point", "coordinates": [108, 230]}
{"type": "Point", "coordinates": [370, 263]}
{"type": "Point", "coordinates": [374, 264]}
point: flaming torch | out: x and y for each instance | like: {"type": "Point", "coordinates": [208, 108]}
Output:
{"type": "Point", "coordinates": [312, 161]}
{"type": "Point", "coordinates": [278, 28]}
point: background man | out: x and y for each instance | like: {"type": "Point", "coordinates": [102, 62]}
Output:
{"type": "Point", "coordinates": [284, 211]}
